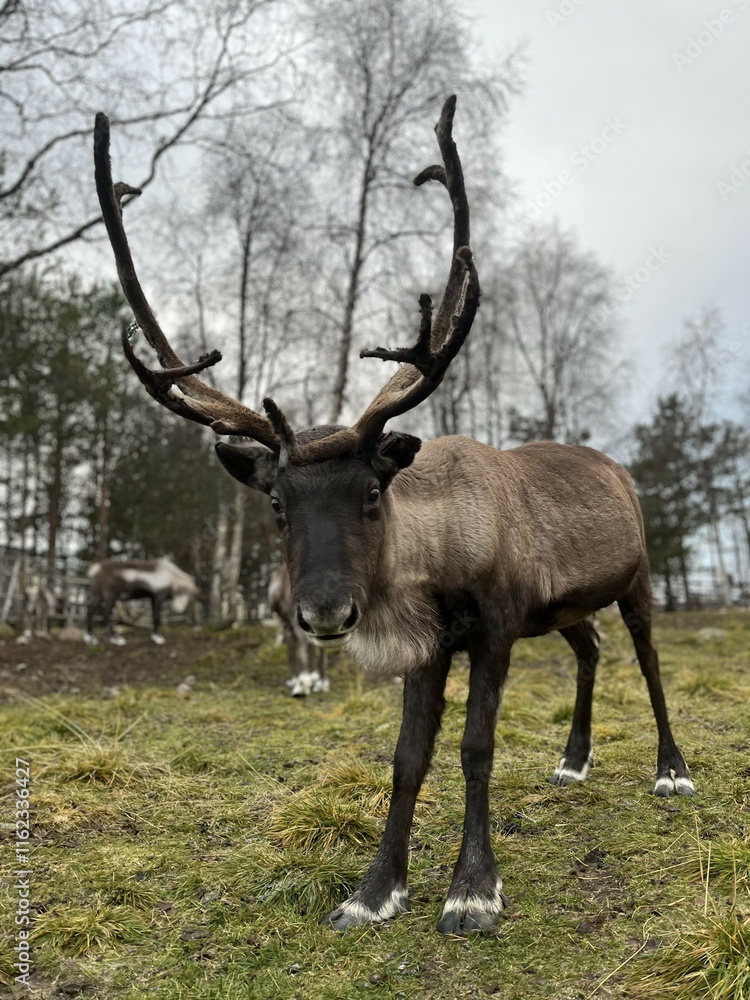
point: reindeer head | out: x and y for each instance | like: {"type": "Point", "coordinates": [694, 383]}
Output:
{"type": "Point", "coordinates": [328, 486]}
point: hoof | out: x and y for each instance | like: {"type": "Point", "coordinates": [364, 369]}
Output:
{"type": "Point", "coordinates": [566, 774]}
{"type": "Point", "coordinates": [116, 640]}
{"type": "Point", "coordinates": [472, 913]}
{"type": "Point", "coordinates": [321, 686]}
{"type": "Point", "coordinates": [157, 639]}
{"type": "Point", "coordinates": [303, 684]}
{"type": "Point", "coordinates": [90, 640]}
{"type": "Point", "coordinates": [355, 913]}
{"type": "Point", "coordinates": [673, 784]}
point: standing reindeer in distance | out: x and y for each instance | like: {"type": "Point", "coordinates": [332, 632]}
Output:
{"type": "Point", "coordinates": [159, 580]}
{"type": "Point", "coordinates": [39, 605]}
{"type": "Point", "coordinates": [390, 541]}
{"type": "Point", "coordinates": [307, 663]}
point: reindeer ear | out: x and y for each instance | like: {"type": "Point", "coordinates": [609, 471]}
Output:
{"type": "Point", "coordinates": [393, 452]}
{"type": "Point", "coordinates": [251, 464]}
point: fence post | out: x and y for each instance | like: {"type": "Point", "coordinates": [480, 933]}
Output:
{"type": "Point", "coordinates": [14, 573]}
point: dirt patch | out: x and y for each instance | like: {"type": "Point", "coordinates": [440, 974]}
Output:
{"type": "Point", "coordinates": [52, 666]}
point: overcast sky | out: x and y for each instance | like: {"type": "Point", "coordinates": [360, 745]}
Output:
{"type": "Point", "coordinates": [645, 107]}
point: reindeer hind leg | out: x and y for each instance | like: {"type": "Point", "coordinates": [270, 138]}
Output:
{"type": "Point", "coordinates": [321, 684]}
{"type": "Point", "coordinates": [93, 606]}
{"type": "Point", "coordinates": [672, 773]}
{"type": "Point", "coordinates": [577, 759]}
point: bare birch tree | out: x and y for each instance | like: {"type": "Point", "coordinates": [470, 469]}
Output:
{"type": "Point", "coordinates": [63, 60]}
{"type": "Point", "coordinates": [560, 311]}
{"type": "Point", "coordinates": [384, 67]}
{"type": "Point", "coordinates": [694, 371]}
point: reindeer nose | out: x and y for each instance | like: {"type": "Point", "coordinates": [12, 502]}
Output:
{"type": "Point", "coordinates": [327, 622]}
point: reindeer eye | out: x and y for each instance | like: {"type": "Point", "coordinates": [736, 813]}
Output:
{"type": "Point", "coordinates": [276, 505]}
{"type": "Point", "coordinates": [373, 494]}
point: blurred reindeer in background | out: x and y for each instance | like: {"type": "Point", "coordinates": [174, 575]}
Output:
{"type": "Point", "coordinates": [307, 663]}
{"type": "Point", "coordinates": [159, 580]}
{"type": "Point", "coordinates": [39, 604]}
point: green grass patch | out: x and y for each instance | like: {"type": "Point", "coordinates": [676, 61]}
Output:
{"type": "Point", "coordinates": [320, 820]}
{"type": "Point", "coordinates": [708, 962]}
{"type": "Point", "coordinates": [186, 849]}
{"type": "Point", "coordinates": [74, 931]}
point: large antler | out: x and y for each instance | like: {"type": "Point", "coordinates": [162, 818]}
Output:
{"type": "Point", "coordinates": [439, 340]}
{"type": "Point", "coordinates": [196, 401]}
{"type": "Point", "coordinates": [424, 366]}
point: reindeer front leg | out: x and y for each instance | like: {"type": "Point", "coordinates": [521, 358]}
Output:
{"type": "Point", "coordinates": [115, 638]}
{"type": "Point", "coordinates": [475, 899]}
{"type": "Point", "coordinates": [382, 892]}
{"type": "Point", "coordinates": [156, 602]}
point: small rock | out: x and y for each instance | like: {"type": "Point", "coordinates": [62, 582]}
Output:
{"type": "Point", "coordinates": [72, 987]}
{"type": "Point", "coordinates": [294, 969]}
{"type": "Point", "coordinates": [706, 634]}
{"type": "Point", "coordinates": [70, 634]}
{"type": "Point", "coordinates": [185, 686]}
{"type": "Point", "coordinates": [194, 933]}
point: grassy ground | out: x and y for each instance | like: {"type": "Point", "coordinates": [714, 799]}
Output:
{"type": "Point", "coordinates": [187, 847]}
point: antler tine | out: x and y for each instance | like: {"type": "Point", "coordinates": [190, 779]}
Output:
{"type": "Point", "coordinates": [198, 401]}
{"type": "Point", "coordinates": [440, 340]}
{"type": "Point", "coordinates": [451, 176]}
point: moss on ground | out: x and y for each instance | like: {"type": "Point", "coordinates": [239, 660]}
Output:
{"type": "Point", "coordinates": [187, 847]}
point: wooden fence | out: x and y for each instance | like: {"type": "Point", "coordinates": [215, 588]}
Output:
{"type": "Point", "coordinates": [18, 570]}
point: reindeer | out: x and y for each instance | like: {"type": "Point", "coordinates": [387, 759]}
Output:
{"type": "Point", "coordinates": [307, 663]}
{"type": "Point", "coordinates": [406, 552]}
{"type": "Point", "coordinates": [39, 604]}
{"type": "Point", "coordinates": [157, 579]}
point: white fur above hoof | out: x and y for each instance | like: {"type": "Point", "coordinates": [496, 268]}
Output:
{"type": "Point", "coordinates": [157, 639]}
{"type": "Point", "coordinates": [673, 785]}
{"type": "Point", "coordinates": [116, 640]}
{"type": "Point", "coordinates": [565, 775]}
{"type": "Point", "coordinates": [472, 912]}
{"type": "Point", "coordinates": [303, 684]}
{"type": "Point", "coordinates": [89, 639]}
{"type": "Point", "coordinates": [321, 686]}
{"type": "Point", "coordinates": [355, 913]}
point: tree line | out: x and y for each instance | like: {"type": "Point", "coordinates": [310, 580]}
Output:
{"type": "Point", "coordinates": [278, 222]}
